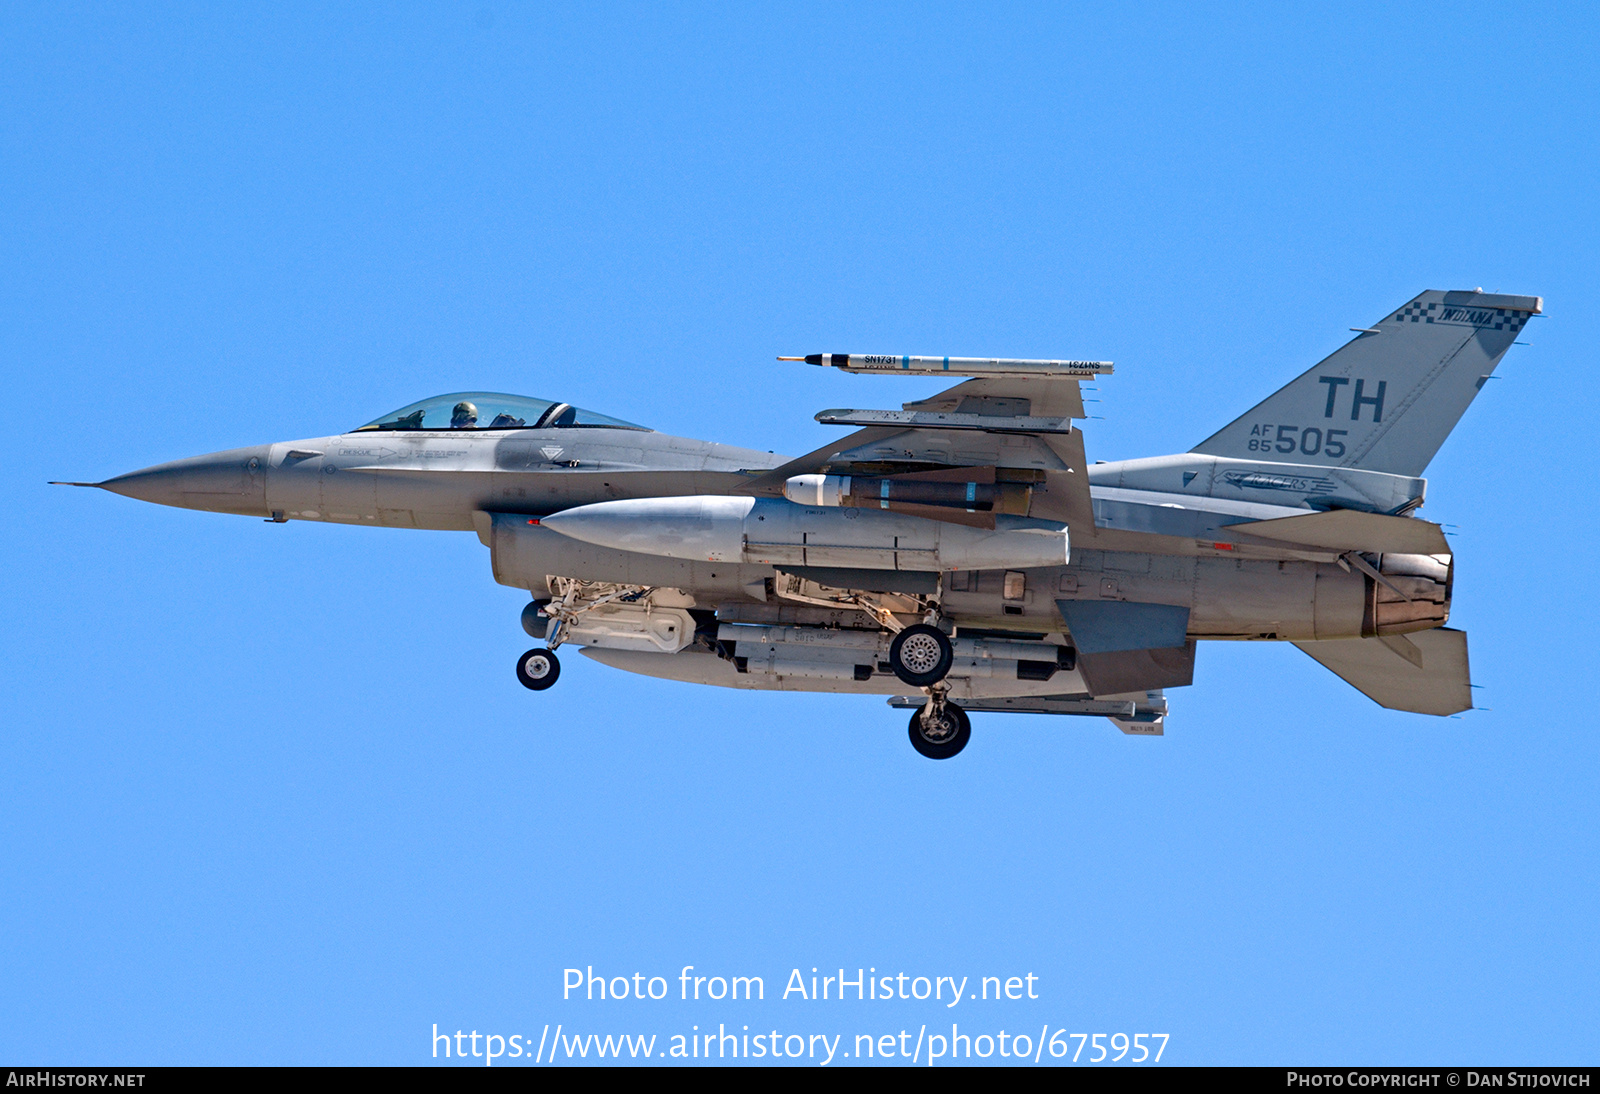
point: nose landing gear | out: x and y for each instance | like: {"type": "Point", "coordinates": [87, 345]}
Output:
{"type": "Point", "coordinates": [538, 669]}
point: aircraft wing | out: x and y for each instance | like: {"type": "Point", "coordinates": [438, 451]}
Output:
{"type": "Point", "coordinates": [1039, 396]}
{"type": "Point", "coordinates": [1012, 430]}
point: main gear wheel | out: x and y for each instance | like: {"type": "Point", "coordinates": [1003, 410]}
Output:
{"type": "Point", "coordinates": [921, 655]}
{"type": "Point", "coordinates": [942, 732]}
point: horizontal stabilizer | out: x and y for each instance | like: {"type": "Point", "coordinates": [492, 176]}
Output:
{"type": "Point", "coordinates": [1390, 677]}
{"type": "Point", "coordinates": [1111, 626]}
{"type": "Point", "coordinates": [1350, 530]}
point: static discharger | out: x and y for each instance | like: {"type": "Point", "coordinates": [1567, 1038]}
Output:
{"type": "Point", "coordinates": [953, 366]}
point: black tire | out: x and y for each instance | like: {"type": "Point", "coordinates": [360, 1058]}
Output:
{"type": "Point", "coordinates": [538, 669]}
{"type": "Point", "coordinates": [943, 739]}
{"type": "Point", "coordinates": [537, 626]}
{"type": "Point", "coordinates": [921, 655]}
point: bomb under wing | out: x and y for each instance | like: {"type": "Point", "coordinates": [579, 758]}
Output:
{"type": "Point", "coordinates": [772, 531]}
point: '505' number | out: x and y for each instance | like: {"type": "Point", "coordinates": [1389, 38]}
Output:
{"type": "Point", "coordinates": [1310, 442]}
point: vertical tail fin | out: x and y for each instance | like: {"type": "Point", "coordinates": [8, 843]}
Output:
{"type": "Point", "coordinates": [1387, 400]}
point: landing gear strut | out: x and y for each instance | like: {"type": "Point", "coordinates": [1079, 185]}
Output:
{"type": "Point", "coordinates": [921, 655]}
{"type": "Point", "coordinates": [941, 729]}
{"type": "Point", "coordinates": [538, 669]}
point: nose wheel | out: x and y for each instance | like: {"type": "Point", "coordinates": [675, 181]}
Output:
{"type": "Point", "coordinates": [940, 730]}
{"type": "Point", "coordinates": [538, 669]}
{"type": "Point", "coordinates": [921, 655]}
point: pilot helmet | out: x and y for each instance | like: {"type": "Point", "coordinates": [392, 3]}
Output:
{"type": "Point", "coordinates": [465, 415]}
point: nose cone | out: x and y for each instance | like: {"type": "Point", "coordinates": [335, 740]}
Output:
{"type": "Point", "coordinates": [223, 482]}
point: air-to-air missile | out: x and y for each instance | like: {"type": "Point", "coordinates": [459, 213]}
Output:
{"type": "Point", "coordinates": [953, 366]}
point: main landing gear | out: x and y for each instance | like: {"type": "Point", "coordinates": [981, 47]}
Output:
{"type": "Point", "coordinates": [538, 669]}
{"type": "Point", "coordinates": [921, 655]}
{"type": "Point", "coordinates": [941, 729]}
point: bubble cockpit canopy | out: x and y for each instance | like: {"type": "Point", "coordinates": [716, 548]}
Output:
{"type": "Point", "coordinates": [479, 410]}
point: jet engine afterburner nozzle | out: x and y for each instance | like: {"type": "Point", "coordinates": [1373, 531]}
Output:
{"type": "Point", "coordinates": [1412, 593]}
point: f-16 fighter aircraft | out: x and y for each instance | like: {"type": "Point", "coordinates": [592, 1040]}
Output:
{"type": "Point", "coordinates": [958, 554]}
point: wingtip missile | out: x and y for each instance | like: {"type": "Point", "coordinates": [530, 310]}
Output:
{"type": "Point", "coordinates": [954, 366]}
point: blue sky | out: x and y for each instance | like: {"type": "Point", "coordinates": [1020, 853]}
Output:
{"type": "Point", "coordinates": [271, 792]}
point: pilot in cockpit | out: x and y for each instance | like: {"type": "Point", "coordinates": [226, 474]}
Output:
{"type": "Point", "coordinates": [464, 416]}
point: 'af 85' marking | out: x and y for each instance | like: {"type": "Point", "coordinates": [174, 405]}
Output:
{"type": "Point", "coordinates": [1310, 441]}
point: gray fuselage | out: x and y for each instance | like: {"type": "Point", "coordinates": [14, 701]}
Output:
{"type": "Point", "coordinates": [1151, 545]}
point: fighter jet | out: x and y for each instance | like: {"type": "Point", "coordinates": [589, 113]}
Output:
{"type": "Point", "coordinates": [956, 555]}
